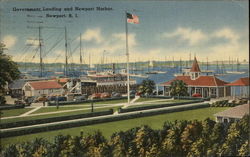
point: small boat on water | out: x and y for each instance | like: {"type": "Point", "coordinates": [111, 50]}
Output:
{"type": "Point", "coordinates": [235, 72]}
{"type": "Point", "coordinates": [138, 75]}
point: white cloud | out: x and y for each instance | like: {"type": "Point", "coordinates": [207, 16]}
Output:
{"type": "Point", "coordinates": [93, 35]}
{"type": "Point", "coordinates": [193, 37]}
{"type": "Point", "coordinates": [9, 41]}
{"type": "Point", "coordinates": [122, 37]}
{"type": "Point", "coordinates": [226, 33]}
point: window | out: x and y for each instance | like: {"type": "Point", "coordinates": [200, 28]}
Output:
{"type": "Point", "coordinates": [225, 120]}
{"type": "Point", "coordinates": [213, 91]}
{"type": "Point", "coordinates": [219, 119]}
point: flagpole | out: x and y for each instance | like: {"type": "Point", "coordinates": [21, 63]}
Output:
{"type": "Point", "coordinates": [127, 53]}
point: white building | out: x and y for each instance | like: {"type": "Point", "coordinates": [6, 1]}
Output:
{"type": "Point", "coordinates": [232, 114]}
{"type": "Point", "coordinates": [39, 88]}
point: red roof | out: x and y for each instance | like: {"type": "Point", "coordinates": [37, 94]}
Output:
{"type": "Point", "coordinates": [240, 82]}
{"type": "Point", "coordinates": [200, 81]}
{"type": "Point", "coordinates": [63, 80]}
{"type": "Point", "coordinates": [195, 66]}
{"type": "Point", "coordinates": [37, 85]}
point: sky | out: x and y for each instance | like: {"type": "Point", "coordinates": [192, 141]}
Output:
{"type": "Point", "coordinates": [167, 30]}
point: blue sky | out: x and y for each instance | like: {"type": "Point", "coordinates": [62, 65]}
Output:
{"type": "Point", "coordinates": [167, 29]}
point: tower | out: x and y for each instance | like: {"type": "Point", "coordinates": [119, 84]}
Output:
{"type": "Point", "coordinates": [195, 70]}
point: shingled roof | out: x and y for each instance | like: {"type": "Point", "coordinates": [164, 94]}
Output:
{"type": "Point", "coordinates": [235, 112]}
{"type": "Point", "coordinates": [195, 66]}
{"type": "Point", "coordinates": [240, 82]}
{"type": "Point", "coordinates": [200, 81]}
{"type": "Point", "coordinates": [40, 85]}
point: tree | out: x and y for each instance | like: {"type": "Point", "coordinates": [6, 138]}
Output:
{"type": "Point", "coordinates": [190, 134]}
{"type": "Point", "coordinates": [146, 141]}
{"type": "Point", "coordinates": [147, 87]}
{"type": "Point", "coordinates": [232, 141]}
{"type": "Point", "coordinates": [178, 88]}
{"type": "Point", "coordinates": [8, 71]}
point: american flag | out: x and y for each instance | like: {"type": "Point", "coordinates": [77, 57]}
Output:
{"type": "Point", "coordinates": [131, 18]}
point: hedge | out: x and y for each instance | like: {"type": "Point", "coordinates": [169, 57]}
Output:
{"type": "Point", "coordinates": [176, 97]}
{"type": "Point", "coordinates": [54, 119]}
{"type": "Point", "coordinates": [225, 103]}
{"type": "Point", "coordinates": [84, 101]}
{"type": "Point", "coordinates": [118, 117]}
{"type": "Point", "coordinates": [11, 107]}
{"type": "Point", "coordinates": [121, 110]}
{"type": "Point", "coordinates": [156, 96]}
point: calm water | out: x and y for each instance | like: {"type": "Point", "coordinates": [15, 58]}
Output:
{"type": "Point", "coordinates": [160, 78]}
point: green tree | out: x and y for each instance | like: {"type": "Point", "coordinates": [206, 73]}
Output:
{"type": "Point", "coordinates": [232, 141]}
{"type": "Point", "coordinates": [147, 87]}
{"type": "Point", "coordinates": [244, 149]}
{"type": "Point", "coordinates": [190, 134]}
{"type": "Point", "coordinates": [171, 143]}
{"type": "Point", "coordinates": [8, 71]}
{"type": "Point", "coordinates": [197, 148]}
{"type": "Point", "coordinates": [96, 145]}
{"type": "Point", "coordinates": [146, 141]}
{"type": "Point", "coordinates": [10, 151]}
{"type": "Point", "coordinates": [178, 88]}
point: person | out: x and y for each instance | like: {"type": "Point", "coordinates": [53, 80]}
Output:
{"type": "Point", "coordinates": [43, 103]}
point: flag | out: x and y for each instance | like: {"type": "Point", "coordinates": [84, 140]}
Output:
{"type": "Point", "coordinates": [132, 18]}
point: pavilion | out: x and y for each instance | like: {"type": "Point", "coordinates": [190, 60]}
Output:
{"type": "Point", "coordinates": [241, 85]}
{"type": "Point", "coordinates": [206, 86]}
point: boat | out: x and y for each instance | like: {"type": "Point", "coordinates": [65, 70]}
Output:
{"type": "Point", "coordinates": [151, 64]}
{"type": "Point", "coordinates": [237, 69]}
{"type": "Point", "coordinates": [139, 75]}
{"type": "Point", "coordinates": [235, 72]}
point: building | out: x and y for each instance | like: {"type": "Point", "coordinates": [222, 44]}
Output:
{"type": "Point", "coordinates": [106, 79]}
{"type": "Point", "coordinates": [206, 86]}
{"type": "Point", "coordinates": [232, 114]}
{"type": "Point", "coordinates": [39, 88]}
{"type": "Point", "coordinates": [16, 87]}
{"type": "Point", "coordinates": [240, 87]}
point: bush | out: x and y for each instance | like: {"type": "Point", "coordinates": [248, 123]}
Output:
{"type": "Point", "coordinates": [53, 119]}
{"type": "Point", "coordinates": [37, 129]}
{"type": "Point", "coordinates": [84, 101]}
{"type": "Point", "coordinates": [225, 103]}
{"type": "Point", "coordinates": [156, 106]}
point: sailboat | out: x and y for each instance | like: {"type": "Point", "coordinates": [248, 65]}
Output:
{"type": "Point", "coordinates": [207, 71]}
{"type": "Point", "coordinates": [151, 64]}
{"type": "Point", "coordinates": [181, 70]}
{"type": "Point", "coordinates": [237, 69]}
{"type": "Point", "coordinates": [220, 71]}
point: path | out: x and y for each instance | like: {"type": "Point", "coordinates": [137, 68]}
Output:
{"type": "Point", "coordinates": [101, 117]}
{"type": "Point", "coordinates": [97, 106]}
{"type": "Point", "coordinates": [31, 111]}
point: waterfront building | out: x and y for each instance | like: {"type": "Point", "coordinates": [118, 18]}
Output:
{"type": "Point", "coordinates": [206, 86]}
{"type": "Point", "coordinates": [16, 87]}
{"type": "Point", "coordinates": [38, 88]}
{"type": "Point", "coordinates": [240, 87]}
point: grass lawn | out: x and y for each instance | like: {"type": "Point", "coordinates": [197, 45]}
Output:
{"type": "Point", "coordinates": [148, 99]}
{"type": "Point", "coordinates": [54, 109]}
{"type": "Point", "coordinates": [160, 102]}
{"type": "Point", "coordinates": [14, 112]}
{"type": "Point", "coordinates": [156, 122]}
{"type": "Point", "coordinates": [105, 102]}
{"type": "Point", "coordinates": [57, 114]}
